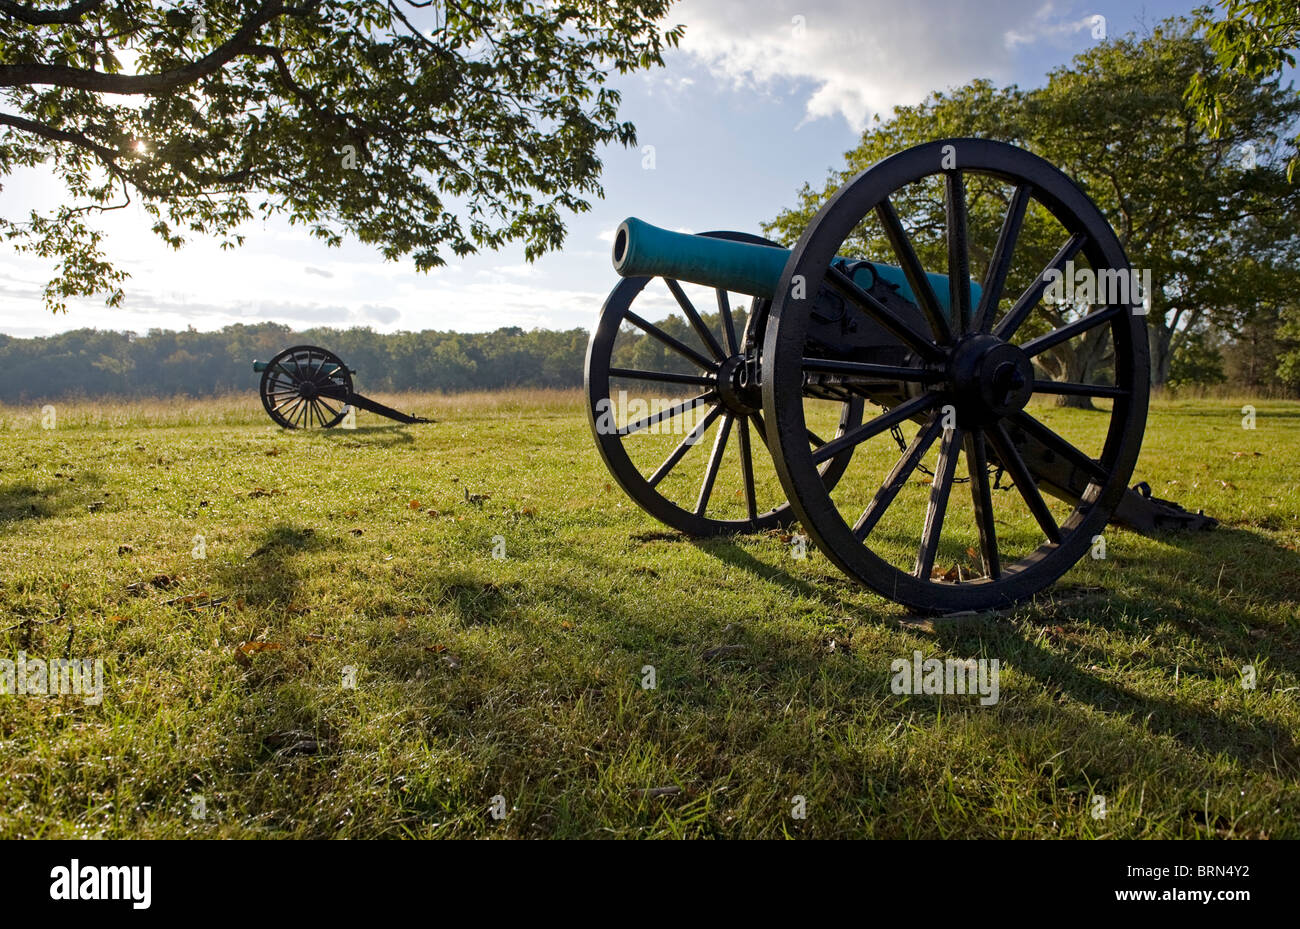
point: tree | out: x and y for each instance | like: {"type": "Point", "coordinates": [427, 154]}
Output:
{"type": "Point", "coordinates": [1254, 40]}
{"type": "Point", "coordinates": [416, 126]}
{"type": "Point", "coordinates": [1184, 204]}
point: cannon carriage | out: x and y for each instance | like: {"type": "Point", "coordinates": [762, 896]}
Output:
{"type": "Point", "coordinates": [839, 358]}
{"type": "Point", "coordinates": [308, 387]}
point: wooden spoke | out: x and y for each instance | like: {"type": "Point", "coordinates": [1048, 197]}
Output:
{"type": "Point", "coordinates": [977, 466]}
{"type": "Point", "coordinates": [897, 478]}
{"type": "Point", "coordinates": [915, 273]}
{"type": "Point", "coordinates": [1051, 339]}
{"type": "Point", "coordinates": [697, 323]}
{"type": "Point", "coordinates": [676, 410]}
{"type": "Point", "coordinates": [715, 459]}
{"type": "Point", "coordinates": [1009, 455]}
{"type": "Point", "coordinates": [996, 277]}
{"type": "Point", "coordinates": [666, 377]}
{"type": "Point", "coordinates": [686, 444]}
{"type": "Point", "coordinates": [958, 251]}
{"type": "Point", "coordinates": [940, 489]}
{"type": "Point", "coordinates": [873, 427]}
{"type": "Point", "coordinates": [1029, 299]}
{"type": "Point", "coordinates": [898, 327]}
{"type": "Point", "coordinates": [684, 350]}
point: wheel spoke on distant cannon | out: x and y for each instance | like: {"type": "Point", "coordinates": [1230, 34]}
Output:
{"type": "Point", "coordinates": [897, 478]}
{"type": "Point", "coordinates": [900, 329]}
{"type": "Point", "coordinates": [333, 412]}
{"type": "Point", "coordinates": [1010, 457]}
{"type": "Point", "coordinates": [680, 348]}
{"type": "Point", "coordinates": [995, 279]}
{"type": "Point", "coordinates": [958, 251]}
{"type": "Point", "coordinates": [1042, 343]}
{"type": "Point", "coordinates": [696, 321]}
{"type": "Point", "coordinates": [940, 490]}
{"type": "Point", "coordinates": [873, 427]}
{"type": "Point", "coordinates": [912, 269]}
{"type": "Point", "coordinates": [977, 467]}
{"type": "Point", "coordinates": [1029, 299]}
{"type": "Point", "coordinates": [715, 460]}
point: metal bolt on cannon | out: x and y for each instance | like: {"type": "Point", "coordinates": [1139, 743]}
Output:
{"type": "Point", "coordinates": [838, 352]}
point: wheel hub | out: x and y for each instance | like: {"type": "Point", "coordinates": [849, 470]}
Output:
{"type": "Point", "coordinates": [738, 395]}
{"type": "Point", "coordinates": [990, 378]}
{"type": "Point", "coordinates": [308, 390]}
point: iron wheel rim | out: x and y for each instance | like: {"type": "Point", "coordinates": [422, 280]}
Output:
{"type": "Point", "coordinates": [784, 359]}
{"type": "Point", "coordinates": [305, 387]}
{"type": "Point", "coordinates": [641, 487]}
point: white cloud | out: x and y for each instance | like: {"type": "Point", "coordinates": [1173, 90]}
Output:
{"type": "Point", "coordinates": [866, 56]}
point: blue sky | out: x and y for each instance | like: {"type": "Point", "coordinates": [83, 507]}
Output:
{"type": "Point", "coordinates": [763, 96]}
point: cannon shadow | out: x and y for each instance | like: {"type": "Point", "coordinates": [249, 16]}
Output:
{"type": "Point", "coordinates": [1195, 604]}
{"type": "Point", "coordinates": [392, 436]}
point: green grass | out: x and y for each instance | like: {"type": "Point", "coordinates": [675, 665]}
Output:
{"type": "Point", "coordinates": [521, 677]}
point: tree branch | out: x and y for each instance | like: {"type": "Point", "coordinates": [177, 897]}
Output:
{"type": "Point", "coordinates": [107, 156]}
{"type": "Point", "coordinates": [35, 17]}
{"type": "Point", "coordinates": [100, 82]}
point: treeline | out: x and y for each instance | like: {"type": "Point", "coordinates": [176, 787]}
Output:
{"type": "Point", "coordinates": [161, 363]}
{"type": "Point", "coordinates": [1255, 358]}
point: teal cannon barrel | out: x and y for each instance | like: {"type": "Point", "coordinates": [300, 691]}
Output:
{"type": "Point", "coordinates": [643, 250]}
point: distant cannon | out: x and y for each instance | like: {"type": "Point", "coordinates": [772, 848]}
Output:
{"type": "Point", "coordinates": [958, 360]}
{"type": "Point", "coordinates": [306, 387]}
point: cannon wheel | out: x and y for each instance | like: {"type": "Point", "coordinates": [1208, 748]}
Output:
{"type": "Point", "coordinates": [301, 386]}
{"type": "Point", "coordinates": [726, 353]}
{"type": "Point", "coordinates": [955, 370]}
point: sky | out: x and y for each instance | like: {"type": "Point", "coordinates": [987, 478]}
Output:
{"type": "Point", "coordinates": [761, 97]}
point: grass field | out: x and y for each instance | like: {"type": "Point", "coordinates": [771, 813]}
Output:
{"type": "Point", "coordinates": [365, 558]}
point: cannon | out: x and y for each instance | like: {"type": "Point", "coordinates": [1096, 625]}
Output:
{"type": "Point", "coordinates": [306, 387]}
{"type": "Point", "coordinates": [871, 380]}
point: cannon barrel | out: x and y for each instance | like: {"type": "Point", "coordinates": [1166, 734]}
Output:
{"type": "Point", "coordinates": [645, 250]}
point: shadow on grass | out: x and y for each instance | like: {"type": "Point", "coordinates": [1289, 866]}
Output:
{"type": "Point", "coordinates": [25, 499]}
{"type": "Point", "coordinates": [386, 436]}
{"type": "Point", "coordinates": [553, 711]}
{"type": "Point", "coordinates": [1195, 604]}
{"type": "Point", "coordinates": [268, 575]}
